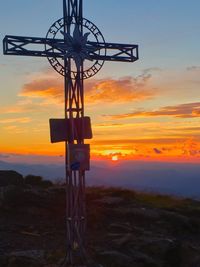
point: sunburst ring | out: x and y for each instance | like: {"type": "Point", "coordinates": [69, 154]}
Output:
{"type": "Point", "coordinates": [79, 50]}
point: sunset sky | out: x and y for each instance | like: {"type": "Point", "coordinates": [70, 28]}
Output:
{"type": "Point", "coordinates": [148, 110]}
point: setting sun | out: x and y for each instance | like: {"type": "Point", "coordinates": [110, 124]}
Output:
{"type": "Point", "coordinates": [115, 158]}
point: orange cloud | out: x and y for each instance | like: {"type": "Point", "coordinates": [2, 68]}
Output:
{"type": "Point", "coordinates": [44, 88]}
{"type": "Point", "coordinates": [122, 90]}
{"type": "Point", "coordinates": [181, 149]}
{"type": "Point", "coordinates": [18, 109]}
{"type": "Point", "coordinates": [15, 120]}
{"type": "Point", "coordinates": [190, 110]}
{"type": "Point", "coordinates": [147, 141]}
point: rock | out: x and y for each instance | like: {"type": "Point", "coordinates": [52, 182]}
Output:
{"type": "Point", "coordinates": [156, 247]}
{"type": "Point", "coordinates": [140, 213]}
{"type": "Point", "coordinates": [181, 254]}
{"type": "Point", "coordinates": [122, 240]}
{"type": "Point", "coordinates": [92, 263]}
{"type": "Point", "coordinates": [23, 262]}
{"type": "Point", "coordinates": [110, 200]}
{"type": "Point", "coordinates": [174, 217]}
{"type": "Point", "coordinates": [3, 261]}
{"type": "Point", "coordinates": [178, 222]}
{"type": "Point", "coordinates": [143, 260]}
{"type": "Point", "coordinates": [34, 254]}
{"type": "Point", "coordinates": [10, 178]}
{"type": "Point", "coordinates": [14, 261]}
{"type": "Point", "coordinates": [28, 197]}
{"type": "Point", "coordinates": [121, 227]}
{"type": "Point", "coordinates": [196, 261]}
{"type": "Point", "coordinates": [26, 258]}
{"type": "Point", "coordinates": [116, 258]}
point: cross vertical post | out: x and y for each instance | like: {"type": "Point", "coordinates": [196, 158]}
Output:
{"type": "Point", "coordinates": [74, 109]}
{"type": "Point", "coordinates": [77, 50]}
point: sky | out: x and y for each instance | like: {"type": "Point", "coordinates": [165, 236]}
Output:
{"type": "Point", "coordinates": [147, 110]}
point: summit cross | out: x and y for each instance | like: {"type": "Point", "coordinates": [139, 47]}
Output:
{"type": "Point", "coordinates": [77, 50]}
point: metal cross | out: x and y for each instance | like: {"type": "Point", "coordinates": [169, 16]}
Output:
{"type": "Point", "coordinates": [76, 49]}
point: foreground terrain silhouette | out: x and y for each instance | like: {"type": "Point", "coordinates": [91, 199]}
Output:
{"type": "Point", "coordinates": [125, 228]}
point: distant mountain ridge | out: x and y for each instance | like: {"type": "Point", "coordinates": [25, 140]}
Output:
{"type": "Point", "coordinates": [172, 178]}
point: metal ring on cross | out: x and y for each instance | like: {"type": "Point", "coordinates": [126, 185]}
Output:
{"type": "Point", "coordinates": [76, 47]}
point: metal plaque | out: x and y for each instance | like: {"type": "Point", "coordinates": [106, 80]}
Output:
{"type": "Point", "coordinates": [61, 129]}
{"type": "Point", "coordinates": [78, 157]}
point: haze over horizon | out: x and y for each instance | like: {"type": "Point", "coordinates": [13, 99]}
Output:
{"type": "Point", "coordinates": [180, 179]}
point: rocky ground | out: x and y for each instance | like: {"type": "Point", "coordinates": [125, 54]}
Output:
{"type": "Point", "coordinates": [125, 228]}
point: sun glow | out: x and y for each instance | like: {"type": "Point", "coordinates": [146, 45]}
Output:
{"type": "Point", "coordinates": [115, 158]}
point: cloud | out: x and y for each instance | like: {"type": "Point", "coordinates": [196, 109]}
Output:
{"type": "Point", "coordinates": [44, 88]}
{"type": "Point", "coordinates": [150, 70]}
{"type": "Point", "coordinates": [4, 156]}
{"type": "Point", "coordinates": [123, 90]}
{"type": "Point", "coordinates": [17, 109]}
{"type": "Point", "coordinates": [15, 120]}
{"type": "Point", "coordinates": [190, 129]}
{"type": "Point", "coordinates": [160, 148]}
{"type": "Point", "coordinates": [147, 141]}
{"type": "Point", "coordinates": [157, 151]}
{"type": "Point", "coordinates": [193, 68]}
{"type": "Point", "coordinates": [189, 110]}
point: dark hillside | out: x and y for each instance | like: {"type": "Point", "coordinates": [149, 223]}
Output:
{"type": "Point", "coordinates": [125, 228]}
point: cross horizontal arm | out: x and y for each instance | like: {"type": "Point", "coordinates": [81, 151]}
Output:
{"type": "Point", "coordinates": [30, 46]}
{"type": "Point", "coordinates": [114, 52]}
{"type": "Point", "coordinates": [44, 47]}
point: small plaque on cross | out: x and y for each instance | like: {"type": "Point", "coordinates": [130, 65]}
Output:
{"type": "Point", "coordinates": [78, 157]}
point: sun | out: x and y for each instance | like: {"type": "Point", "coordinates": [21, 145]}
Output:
{"type": "Point", "coordinates": [115, 158]}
